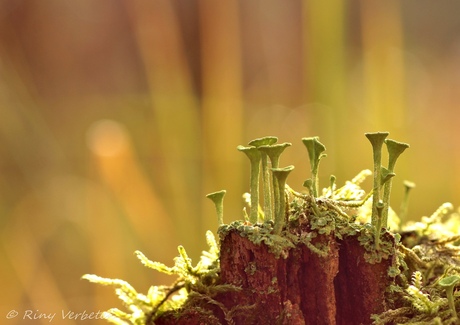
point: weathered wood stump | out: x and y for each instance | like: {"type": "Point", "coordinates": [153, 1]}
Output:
{"type": "Point", "coordinates": [300, 287]}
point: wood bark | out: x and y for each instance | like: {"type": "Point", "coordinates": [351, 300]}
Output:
{"type": "Point", "coordinates": [299, 288]}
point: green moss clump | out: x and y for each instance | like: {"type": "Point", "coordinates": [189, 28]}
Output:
{"type": "Point", "coordinates": [199, 279]}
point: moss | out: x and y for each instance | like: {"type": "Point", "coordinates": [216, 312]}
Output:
{"type": "Point", "coordinates": [258, 234]}
{"type": "Point", "coordinates": [142, 309]}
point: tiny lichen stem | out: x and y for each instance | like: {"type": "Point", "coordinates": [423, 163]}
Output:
{"type": "Point", "coordinates": [450, 298]}
{"type": "Point", "coordinates": [281, 175]}
{"type": "Point", "coordinates": [378, 226]}
{"type": "Point", "coordinates": [266, 175]}
{"type": "Point", "coordinates": [316, 210]}
{"type": "Point", "coordinates": [254, 157]}
{"type": "Point", "coordinates": [308, 185]}
{"type": "Point", "coordinates": [273, 152]}
{"type": "Point", "coordinates": [276, 196]}
{"type": "Point", "coordinates": [376, 140]}
{"type": "Point", "coordinates": [449, 283]}
{"type": "Point", "coordinates": [332, 180]}
{"type": "Point", "coordinates": [395, 149]}
{"type": "Point", "coordinates": [405, 203]}
{"type": "Point", "coordinates": [254, 213]}
{"type": "Point", "coordinates": [218, 199]}
{"type": "Point", "coordinates": [268, 212]}
{"type": "Point", "coordinates": [315, 153]}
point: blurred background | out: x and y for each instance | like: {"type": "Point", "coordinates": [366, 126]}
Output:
{"type": "Point", "coordinates": [117, 117]}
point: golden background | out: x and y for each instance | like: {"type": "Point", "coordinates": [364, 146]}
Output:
{"type": "Point", "coordinates": [117, 117]}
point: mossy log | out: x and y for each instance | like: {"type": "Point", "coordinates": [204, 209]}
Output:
{"type": "Point", "coordinates": [300, 287]}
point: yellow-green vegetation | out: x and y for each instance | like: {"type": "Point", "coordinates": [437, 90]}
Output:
{"type": "Point", "coordinates": [424, 255]}
{"type": "Point", "coordinates": [190, 279]}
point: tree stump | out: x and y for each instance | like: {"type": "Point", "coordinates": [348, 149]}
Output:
{"type": "Point", "coordinates": [300, 287]}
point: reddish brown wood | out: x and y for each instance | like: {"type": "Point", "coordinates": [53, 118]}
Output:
{"type": "Point", "coordinates": [300, 282]}
{"type": "Point", "coordinates": [360, 286]}
{"type": "Point", "coordinates": [303, 288]}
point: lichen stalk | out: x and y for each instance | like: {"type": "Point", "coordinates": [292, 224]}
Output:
{"type": "Point", "coordinates": [405, 203]}
{"type": "Point", "coordinates": [332, 180]}
{"type": "Point", "coordinates": [266, 174]}
{"type": "Point", "coordinates": [315, 153]}
{"type": "Point", "coordinates": [378, 227]}
{"type": "Point", "coordinates": [376, 139]}
{"type": "Point", "coordinates": [449, 283]}
{"type": "Point", "coordinates": [280, 174]}
{"type": "Point", "coordinates": [450, 298]}
{"type": "Point", "coordinates": [266, 180]}
{"type": "Point", "coordinates": [308, 184]}
{"type": "Point", "coordinates": [273, 152]}
{"type": "Point", "coordinates": [218, 199]}
{"type": "Point", "coordinates": [395, 149]}
{"type": "Point", "coordinates": [255, 157]}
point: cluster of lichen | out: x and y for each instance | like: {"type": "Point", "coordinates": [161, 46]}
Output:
{"type": "Point", "coordinates": [419, 250]}
{"type": "Point", "coordinates": [425, 255]}
{"type": "Point", "coordinates": [339, 211]}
